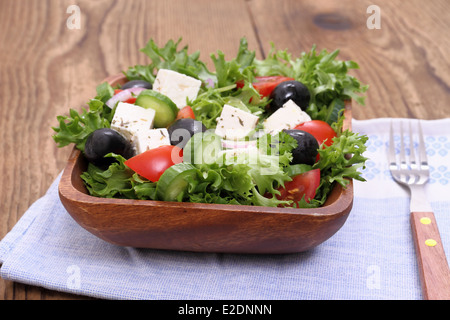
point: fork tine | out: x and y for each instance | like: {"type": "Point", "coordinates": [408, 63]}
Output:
{"type": "Point", "coordinates": [403, 163]}
{"type": "Point", "coordinates": [412, 156]}
{"type": "Point", "coordinates": [414, 173]}
{"type": "Point", "coordinates": [423, 161]}
{"type": "Point", "coordinates": [391, 155]}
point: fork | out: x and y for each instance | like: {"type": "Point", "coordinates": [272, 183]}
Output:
{"type": "Point", "coordinates": [412, 171]}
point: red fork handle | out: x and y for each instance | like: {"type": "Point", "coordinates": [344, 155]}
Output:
{"type": "Point", "coordinates": [431, 259]}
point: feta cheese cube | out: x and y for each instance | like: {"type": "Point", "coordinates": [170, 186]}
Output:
{"type": "Point", "coordinates": [151, 138]}
{"type": "Point", "coordinates": [129, 119]}
{"type": "Point", "coordinates": [287, 117]}
{"type": "Point", "coordinates": [176, 86]}
{"type": "Point", "coordinates": [234, 123]}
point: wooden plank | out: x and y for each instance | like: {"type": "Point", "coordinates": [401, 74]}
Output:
{"type": "Point", "coordinates": [47, 68]}
{"type": "Point", "coordinates": [406, 62]}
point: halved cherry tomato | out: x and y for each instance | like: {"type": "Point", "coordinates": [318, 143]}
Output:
{"type": "Point", "coordinates": [131, 100]}
{"type": "Point", "coordinates": [265, 85]}
{"type": "Point", "coordinates": [152, 163]}
{"type": "Point", "coordinates": [304, 184]}
{"type": "Point", "coordinates": [321, 130]}
{"type": "Point", "coordinates": [185, 112]}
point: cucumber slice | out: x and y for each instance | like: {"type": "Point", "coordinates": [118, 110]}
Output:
{"type": "Point", "coordinates": [165, 109]}
{"type": "Point", "coordinates": [173, 182]}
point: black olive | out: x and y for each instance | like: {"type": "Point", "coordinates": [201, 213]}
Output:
{"type": "Point", "coordinates": [290, 90]}
{"type": "Point", "coordinates": [183, 129]}
{"type": "Point", "coordinates": [103, 141]}
{"type": "Point", "coordinates": [306, 151]}
{"type": "Point", "coordinates": [137, 84]}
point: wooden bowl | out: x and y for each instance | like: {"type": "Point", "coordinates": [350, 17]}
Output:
{"type": "Point", "coordinates": [201, 227]}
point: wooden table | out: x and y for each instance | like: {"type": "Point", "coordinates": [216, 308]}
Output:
{"type": "Point", "coordinates": [47, 67]}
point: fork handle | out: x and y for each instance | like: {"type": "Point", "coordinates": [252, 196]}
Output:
{"type": "Point", "coordinates": [432, 262]}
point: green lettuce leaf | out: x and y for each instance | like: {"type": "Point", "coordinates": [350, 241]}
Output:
{"type": "Point", "coordinates": [76, 127]}
{"type": "Point", "coordinates": [117, 181]}
{"type": "Point", "coordinates": [230, 72]}
{"type": "Point", "coordinates": [340, 162]}
{"type": "Point", "coordinates": [326, 78]}
{"type": "Point", "coordinates": [208, 105]}
{"type": "Point", "coordinates": [172, 58]}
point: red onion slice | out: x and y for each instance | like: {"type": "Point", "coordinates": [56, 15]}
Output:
{"type": "Point", "coordinates": [123, 96]}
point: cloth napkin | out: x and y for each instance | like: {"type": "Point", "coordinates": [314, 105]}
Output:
{"type": "Point", "coordinates": [371, 257]}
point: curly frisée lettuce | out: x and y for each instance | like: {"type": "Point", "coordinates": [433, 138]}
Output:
{"type": "Point", "coordinates": [326, 78]}
{"type": "Point", "coordinates": [76, 127]}
{"type": "Point", "coordinates": [340, 162]}
{"type": "Point", "coordinates": [172, 58]}
{"type": "Point", "coordinates": [251, 178]}
{"type": "Point", "coordinates": [118, 181]}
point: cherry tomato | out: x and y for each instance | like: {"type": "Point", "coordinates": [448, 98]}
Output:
{"type": "Point", "coordinates": [185, 112]}
{"type": "Point", "coordinates": [304, 184]}
{"type": "Point", "coordinates": [152, 163]}
{"type": "Point", "coordinates": [265, 85]}
{"type": "Point", "coordinates": [321, 130]}
{"type": "Point", "coordinates": [131, 100]}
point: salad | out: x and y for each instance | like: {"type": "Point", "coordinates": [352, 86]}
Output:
{"type": "Point", "coordinates": [252, 132]}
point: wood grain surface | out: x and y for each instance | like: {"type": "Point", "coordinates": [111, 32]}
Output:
{"type": "Point", "coordinates": [47, 68]}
